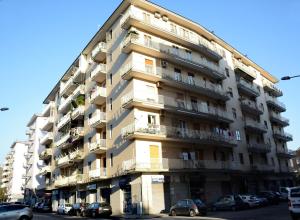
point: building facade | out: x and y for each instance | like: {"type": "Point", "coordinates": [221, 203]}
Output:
{"type": "Point", "coordinates": [155, 109]}
{"type": "Point", "coordinates": [35, 181]}
{"type": "Point", "coordinates": [15, 171]}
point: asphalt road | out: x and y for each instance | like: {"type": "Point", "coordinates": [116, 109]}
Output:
{"type": "Point", "coordinates": [276, 212]}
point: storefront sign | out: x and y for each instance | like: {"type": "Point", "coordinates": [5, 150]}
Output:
{"type": "Point", "coordinates": [158, 178]}
{"type": "Point", "coordinates": [91, 187]}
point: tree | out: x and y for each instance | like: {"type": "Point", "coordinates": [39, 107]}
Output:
{"type": "Point", "coordinates": [3, 195]}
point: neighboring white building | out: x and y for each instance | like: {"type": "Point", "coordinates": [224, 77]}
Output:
{"type": "Point", "coordinates": [17, 172]}
{"type": "Point", "coordinates": [34, 181]}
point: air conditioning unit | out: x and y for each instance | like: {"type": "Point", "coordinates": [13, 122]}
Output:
{"type": "Point", "coordinates": [164, 64]}
{"type": "Point", "coordinates": [165, 18]}
{"type": "Point", "coordinates": [157, 15]}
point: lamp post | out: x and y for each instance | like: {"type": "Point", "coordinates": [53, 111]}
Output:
{"type": "Point", "coordinates": [4, 109]}
{"type": "Point", "coordinates": [289, 77]}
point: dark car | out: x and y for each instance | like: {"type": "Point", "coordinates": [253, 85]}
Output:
{"type": "Point", "coordinates": [189, 207]}
{"type": "Point", "coordinates": [270, 196]}
{"type": "Point", "coordinates": [262, 200]}
{"type": "Point", "coordinates": [230, 202]}
{"type": "Point", "coordinates": [45, 207]}
{"type": "Point", "coordinates": [78, 208]}
{"type": "Point", "coordinates": [97, 209]}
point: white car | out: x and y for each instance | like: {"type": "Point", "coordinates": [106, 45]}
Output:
{"type": "Point", "coordinates": [64, 209]}
{"type": "Point", "coordinates": [252, 201]}
{"type": "Point", "coordinates": [294, 202]}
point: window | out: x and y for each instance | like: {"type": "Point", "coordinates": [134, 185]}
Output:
{"type": "Point", "coordinates": [147, 41]}
{"type": "Point", "coordinates": [215, 155]}
{"type": "Point", "coordinates": [110, 78]}
{"type": "Point", "coordinates": [173, 28]}
{"type": "Point", "coordinates": [151, 119]}
{"type": "Point", "coordinates": [110, 131]}
{"type": "Point", "coordinates": [109, 35]}
{"type": "Point", "coordinates": [194, 104]}
{"type": "Point", "coordinates": [149, 66]}
{"type": "Point", "coordinates": [175, 50]}
{"type": "Point", "coordinates": [238, 136]}
{"type": "Point", "coordinates": [227, 71]}
{"type": "Point", "coordinates": [266, 124]}
{"type": "Point", "coordinates": [177, 74]}
{"type": "Point", "coordinates": [111, 159]}
{"type": "Point", "coordinates": [185, 33]}
{"type": "Point", "coordinates": [230, 92]}
{"type": "Point", "coordinates": [241, 156]}
{"type": "Point", "coordinates": [188, 55]}
{"type": "Point", "coordinates": [110, 103]}
{"type": "Point", "coordinates": [146, 17]}
{"type": "Point", "coordinates": [191, 78]}
{"type": "Point", "coordinates": [234, 112]}
{"type": "Point", "coordinates": [251, 159]}
{"type": "Point", "coordinates": [90, 165]}
{"type": "Point", "coordinates": [180, 100]}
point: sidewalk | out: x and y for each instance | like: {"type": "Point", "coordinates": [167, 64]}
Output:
{"type": "Point", "coordinates": [136, 216]}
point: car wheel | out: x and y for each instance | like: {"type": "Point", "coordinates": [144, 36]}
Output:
{"type": "Point", "coordinates": [24, 217]}
{"type": "Point", "coordinates": [173, 213]}
{"type": "Point", "coordinates": [83, 214]}
{"type": "Point", "coordinates": [93, 214]}
{"type": "Point", "coordinates": [78, 213]}
{"type": "Point", "coordinates": [192, 213]}
{"type": "Point", "coordinates": [233, 208]}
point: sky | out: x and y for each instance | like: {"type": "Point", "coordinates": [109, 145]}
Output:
{"type": "Point", "coordinates": [40, 39]}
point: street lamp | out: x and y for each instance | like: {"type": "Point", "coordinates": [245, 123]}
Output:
{"type": "Point", "coordinates": [4, 109]}
{"type": "Point", "coordinates": [289, 77]}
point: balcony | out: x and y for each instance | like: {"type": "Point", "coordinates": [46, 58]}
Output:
{"type": "Point", "coordinates": [64, 161]}
{"type": "Point", "coordinates": [49, 108]}
{"type": "Point", "coordinates": [283, 136]}
{"type": "Point", "coordinates": [250, 107]}
{"type": "Point", "coordinates": [48, 124]}
{"type": "Point", "coordinates": [244, 71]}
{"type": "Point", "coordinates": [78, 91]}
{"type": "Point", "coordinates": [64, 120]}
{"type": "Point", "coordinates": [65, 105]}
{"type": "Point", "coordinates": [98, 74]}
{"type": "Point", "coordinates": [285, 153]}
{"type": "Point", "coordinates": [45, 170]}
{"type": "Point", "coordinates": [76, 156]}
{"type": "Point", "coordinates": [273, 103]}
{"type": "Point", "coordinates": [77, 133]}
{"type": "Point", "coordinates": [247, 88]}
{"type": "Point", "coordinates": [252, 126]}
{"type": "Point", "coordinates": [165, 31]}
{"type": "Point", "coordinates": [97, 174]}
{"type": "Point", "coordinates": [167, 53]}
{"type": "Point", "coordinates": [67, 87]}
{"type": "Point", "coordinates": [278, 119]}
{"type": "Point", "coordinates": [271, 88]}
{"type": "Point", "coordinates": [259, 148]}
{"type": "Point", "coordinates": [261, 168]}
{"type": "Point", "coordinates": [167, 77]}
{"type": "Point", "coordinates": [46, 154]}
{"type": "Point", "coordinates": [78, 75]}
{"type": "Point", "coordinates": [69, 181]}
{"type": "Point", "coordinates": [171, 104]}
{"type": "Point", "coordinates": [175, 134]}
{"type": "Point", "coordinates": [78, 113]}
{"type": "Point", "coordinates": [64, 140]}
{"type": "Point", "coordinates": [98, 146]}
{"type": "Point", "coordinates": [98, 95]}
{"type": "Point", "coordinates": [168, 164]}
{"type": "Point", "coordinates": [98, 119]}
{"type": "Point", "coordinates": [99, 52]}
{"type": "Point", "coordinates": [47, 139]}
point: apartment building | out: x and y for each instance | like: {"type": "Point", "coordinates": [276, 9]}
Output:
{"type": "Point", "coordinates": [35, 180]}
{"type": "Point", "coordinates": [15, 172]}
{"type": "Point", "coordinates": [156, 108]}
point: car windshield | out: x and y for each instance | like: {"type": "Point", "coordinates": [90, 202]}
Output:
{"type": "Point", "coordinates": [198, 202]}
{"type": "Point", "coordinates": [295, 192]}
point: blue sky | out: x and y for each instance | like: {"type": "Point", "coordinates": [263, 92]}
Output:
{"type": "Point", "coordinates": [40, 39]}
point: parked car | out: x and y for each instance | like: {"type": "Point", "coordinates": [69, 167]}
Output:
{"type": "Point", "coordinates": [77, 209]}
{"type": "Point", "coordinates": [45, 207]}
{"type": "Point", "coordinates": [294, 202]}
{"type": "Point", "coordinates": [271, 196]}
{"type": "Point", "coordinates": [251, 200]}
{"type": "Point", "coordinates": [229, 202]}
{"type": "Point", "coordinates": [97, 209]}
{"type": "Point", "coordinates": [15, 211]}
{"type": "Point", "coordinates": [189, 207]}
{"type": "Point", "coordinates": [262, 200]}
{"type": "Point", "coordinates": [284, 191]}
{"type": "Point", "coordinates": [36, 206]}
{"type": "Point", "coordinates": [64, 209]}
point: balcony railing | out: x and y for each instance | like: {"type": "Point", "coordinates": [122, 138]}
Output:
{"type": "Point", "coordinates": [166, 52]}
{"type": "Point", "coordinates": [254, 126]}
{"type": "Point", "coordinates": [165, 30]}
{"type": "Point", "coordinates": [62, 139]}
{"type": "Point", "coordinates": [48, 138]}
{"type": "Point", "coordinates": [244, 70]}
{"type": "Point", "coordinates": [281, 135]}
{"type": "Point", "coordinates": [78, 91]}
{"type": "Point", "coordinates": [259, 147]}
{"type": "Point", "coordinates": [99, 51]}
{"type": "Point", "coordinates": [64, 120]}
{"type": "Point", "coordinates": [48, 109]}
{"type": "Point", "coordinates": [161, 132]}
{"type": "Point", "coordinates": [270, 87]}
{"type": "Point", "coordinates": [48, 124]}
{"type": "Point", "coordinates": [168, 77]}
{"type": "Point", "coordinates": [248, 88]}
{"type": "Point", "coordinates": [98, 74]}
{"type": "Point", "coordinates": [45, 170]}
{"type": "Point", "coordinates": [97, 173]}
{"type": "Point", "coordinates": [64, 104]}
{"type": "Point", "coordinates": [67, 87]}
{"type": "Point", "coordinates": [285, 153]}
{"type": "Point", "coordinates": [274, 103]}
{"type": "Point", "coordinates": [98, 145]}
{"type": "Point", "coordinates": [98, 95]}
{"type": "Point", "coordinates": [175, 105]}
{"type": "Point", "coordinates": [77, 133]}
{"type": "Point", "coordinates": [277, 118]}
{"type": "Point", "coordinates": [45, 154]}
{"type": "Point", "coordinates": [251, 107]}
{"type": "Point", "coordinates": [79, 111]}
{"type": "Point", "coordinates": [98, 119]}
